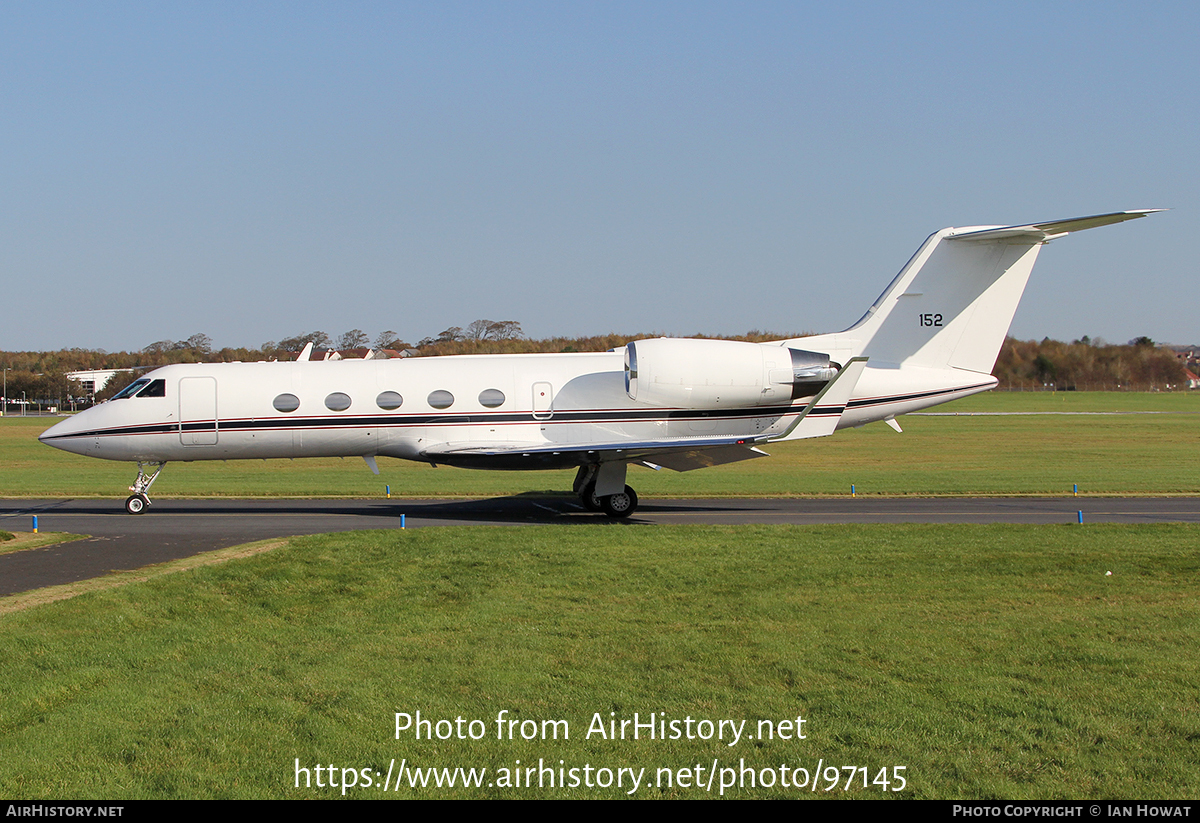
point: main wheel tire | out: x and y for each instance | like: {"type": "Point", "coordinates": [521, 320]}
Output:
{"type": "Point", "coordinates": [136, 503]}
{"type": "Point", "coordinates": [589, 499]}
{"type": "Point", "coordinates": [621, 504]}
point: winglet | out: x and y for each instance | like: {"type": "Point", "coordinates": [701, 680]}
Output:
{"type": "Point", "coordinates": [822, 414]}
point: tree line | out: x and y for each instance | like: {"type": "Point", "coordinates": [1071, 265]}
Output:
{"type": "Point", "coordinates": [1089, 365]}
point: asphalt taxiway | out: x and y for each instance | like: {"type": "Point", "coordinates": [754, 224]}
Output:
{"type": "Point", "coordinates": [173, 529]}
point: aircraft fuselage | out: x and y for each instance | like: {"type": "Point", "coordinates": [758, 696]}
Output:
{"type": "Point", "coordinates": [227, 411]}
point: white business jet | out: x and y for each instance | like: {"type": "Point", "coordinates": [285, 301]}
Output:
{"type": "Point", "coordinates": [932, 336]}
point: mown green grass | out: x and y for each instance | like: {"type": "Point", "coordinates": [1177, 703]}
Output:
{"type": "Point", "coordinates": [990, 661]}
{"type": "Point", "coordinates": [29, 540]}
{"type": "Point", "coordinates": [1063, 401]}
{"type": "Point", "coordinates": [939, 455]}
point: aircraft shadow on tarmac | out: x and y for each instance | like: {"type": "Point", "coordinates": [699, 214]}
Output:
{"type": "Point", "coordinates": [521, 508]}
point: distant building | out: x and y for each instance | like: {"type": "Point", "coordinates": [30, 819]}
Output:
{"type": "Point", "coordinates": [94, 380]}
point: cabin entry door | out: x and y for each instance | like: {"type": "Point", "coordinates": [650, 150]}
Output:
{"type": "Point", "coordinates": [198, 411]}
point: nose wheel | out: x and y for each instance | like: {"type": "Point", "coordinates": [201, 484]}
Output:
{"type": "Point", "coordinates": [138, 502]}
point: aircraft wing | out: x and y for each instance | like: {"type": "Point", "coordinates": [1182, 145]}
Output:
{"type": "Point", "coordinates": [818, 419]}
{"type": "Point", "coordinates": [680, 454]}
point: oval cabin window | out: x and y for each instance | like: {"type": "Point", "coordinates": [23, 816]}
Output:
{"type": "Point", "coordinates": [389, 400]}
{"type": "Point", "coordinates": [338, 401]}
{"type": "Point", "coordinates": [441, 399]}
{"type": "Point", "coordinates": [491, 398]}
{"type": "Point", "coordinates": [286, 403]}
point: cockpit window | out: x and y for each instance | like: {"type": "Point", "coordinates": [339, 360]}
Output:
{"type": "Point", "coordinates": [157, 388]}
{"type": "Point", "coordinates": [132, 389]}
{"type": "Point", "coordinates": [143, 387]}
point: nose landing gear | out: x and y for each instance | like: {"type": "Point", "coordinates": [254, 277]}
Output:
{"type": "Point", "coordinates": [138, 502]}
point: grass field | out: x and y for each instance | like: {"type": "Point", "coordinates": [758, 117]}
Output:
{"type": "Point", "coordinates": [970, 661]}
{"type": "Point", "coordinates": [987, 661]}
{"type": "Point", "coordinates": [22, 541]}
{"type": "Point", "coordinates": [1068, 441]}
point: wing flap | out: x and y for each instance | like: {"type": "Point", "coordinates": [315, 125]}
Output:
{"type": "Point", "coordinates": [679, 454]}
{"type": "Point", "coordinates": [689, 460]}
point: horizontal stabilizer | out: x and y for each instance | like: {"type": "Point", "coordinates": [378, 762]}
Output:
{"type": "Point", "coordinates": [1041, 232]}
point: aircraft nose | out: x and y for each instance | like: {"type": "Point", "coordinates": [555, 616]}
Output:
{"type": "Point", "coordinates": [57, 430]}
{"type": "Point", "coordinates": [65, 434]}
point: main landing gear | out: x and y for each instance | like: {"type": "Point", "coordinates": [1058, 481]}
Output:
{"type": "Point", "coordinates": [618, 504]}
{"type": "Point", "coordinates": [138, 502]}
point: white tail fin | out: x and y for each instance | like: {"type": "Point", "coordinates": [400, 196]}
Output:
{"type": "Point", "coordinates": [951, 306]}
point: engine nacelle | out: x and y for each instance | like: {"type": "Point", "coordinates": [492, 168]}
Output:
{"type": "Point", "coordinates": [721, 374]}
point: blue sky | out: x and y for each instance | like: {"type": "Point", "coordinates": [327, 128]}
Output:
{"type": "Point", "coordinates": [257, 170]}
